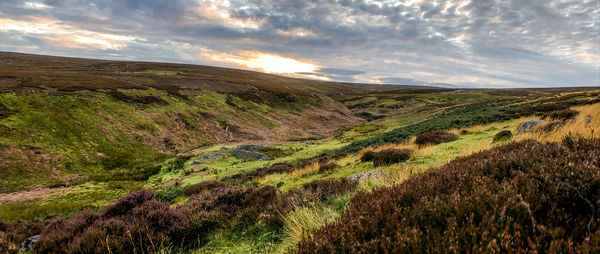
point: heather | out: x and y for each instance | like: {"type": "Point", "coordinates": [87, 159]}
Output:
{"type": "Point", "coordinates": [435, 137]}
{"type": "Point", "coordinates": [142, 223]}
{"type": "Point", "coordinates": [386, 156]}
{"type": "Point", "coordinates": [523, 196]}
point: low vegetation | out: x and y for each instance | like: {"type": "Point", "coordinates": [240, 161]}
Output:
{"type": "Point", "coordinates": [562, 115]}
{"type": "Point", "coordinates": [502, 136]}
{"type": "Point", "coordinates": [546, 203]}
{"type": "Point", "coordinates": [386, 156]}
{"type": "Point", "coordinates": [435, 137]}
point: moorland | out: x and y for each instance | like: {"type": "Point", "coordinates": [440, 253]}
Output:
{"type": "Point", "coordinates": [105, 156]}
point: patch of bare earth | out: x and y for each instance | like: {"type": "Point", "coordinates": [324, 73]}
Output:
{"type": "Point", "coordinates": [37, 193]}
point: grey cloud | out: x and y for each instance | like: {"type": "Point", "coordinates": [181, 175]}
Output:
{"type": "Point", "coordinates": [340, 72]}
{"type": "Point", "coordinates": [510, 43]}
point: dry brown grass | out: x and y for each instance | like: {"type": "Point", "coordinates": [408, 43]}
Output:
{"type": "Point", "coordinates": [307, 170]}
{"type": "Point", "coordinates": [576, 127]}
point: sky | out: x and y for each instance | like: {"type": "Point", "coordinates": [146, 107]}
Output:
{"type": "Point", "coordinates": [462, 43]}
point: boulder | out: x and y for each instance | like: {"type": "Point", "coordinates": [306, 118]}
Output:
{"type": "Point", "coordinates": [362, 176]}
{"type": "Point", "coordinates": [29, 244]}
{"type": "Point", "coordinates": [529, 126]}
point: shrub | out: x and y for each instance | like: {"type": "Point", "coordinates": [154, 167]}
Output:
{"type": "Point", "coordinates": [368, 156]}
{"type": "Point", "coordinates": [386, 156]}
{"type": "Point", "coordinates": [561, 115]}
{"type": "Point", "coordinates": [328, 166]}
{"type": "Point", "coordinates": [323, 188]}
{"type": "Point", "coordinates": [502, 136]}
{"type": "Point", "coordinates": [435, 137]}
{"type": "Point", "coordinates": [134, 223]}
{"type": "Point", "coordinates": [138, 223]}
{"type": "Point", "coordinates": [201, 186]}
{"type": "Point", "coordinates": [391, 156]}
{"type": "Point", "coordinates": [520, 197]}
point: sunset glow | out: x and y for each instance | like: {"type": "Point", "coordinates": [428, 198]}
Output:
{"type": "Point", "coordinates": [269, 63]}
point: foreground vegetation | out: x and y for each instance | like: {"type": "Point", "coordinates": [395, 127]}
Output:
{"type": "Point", "coordinates": [523, 196]}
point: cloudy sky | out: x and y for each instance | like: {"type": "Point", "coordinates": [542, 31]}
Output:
{"type": "Point", "coordinates": [467, 43]}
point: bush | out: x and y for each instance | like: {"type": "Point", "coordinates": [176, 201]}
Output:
{"type": "Point", "coordinates": [201, 186]}
{"type": "Point", "coordinates": [328, 166]}
{"type": "Point", "coordinates": [138, 223]}
{"type": "Point", "coordinates": [391, 156]}
{"type": "Point", "coordinates": [134, 223]}
{"type": "Point", "coordinates": [368, 156]}
{"type": "Point", "coordinates": [561, 115]}
{"type": "Point", "coordinates": [386, 156]}
{"type": "Point", "coordinates": [520, 197]}
{"type": "Point", "coordinates": [502, 136]}
{"type": "Point", "coordinates": [435, 137]}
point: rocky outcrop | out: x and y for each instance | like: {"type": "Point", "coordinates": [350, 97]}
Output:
{"type": "Point", "coordinates": [529, 126]}
{"type": "Point", "coordinates": [363, 176]}
{"type": "Point", "coordinates": [29, 244]}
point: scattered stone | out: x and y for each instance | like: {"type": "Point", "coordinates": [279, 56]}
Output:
{"type": "Point", "coordinates": [29, 244]}
{"type": "Point", "coordinates": [249, 155]}
{"type": "Point", "coordinates": [248, 152]}
{"type": "Point", "coordinates": [406, 163]}
{"type": "Point", "coordinates": [529, 126]}
{"type": "Point", "coordinates": [362, 176]}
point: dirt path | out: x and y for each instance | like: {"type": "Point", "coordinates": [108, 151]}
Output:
{"type": "Point", "coordinates": [20, 196]}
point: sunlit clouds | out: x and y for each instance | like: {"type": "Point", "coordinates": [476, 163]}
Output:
{"type": "Point", "coordinates": [464, 43]}
{"type": "Point", "coordinates": [52, 31]}
{"type": "Point", "coordinates": [268, 63]}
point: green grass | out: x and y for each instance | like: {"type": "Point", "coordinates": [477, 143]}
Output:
{"type": "Point", "coordinates": [242, 237]}
{"type": "Point", "coordinates": [90, 195]}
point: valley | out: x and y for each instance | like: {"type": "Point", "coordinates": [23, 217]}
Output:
{"type": "Point", "coordinates": [217, 160]}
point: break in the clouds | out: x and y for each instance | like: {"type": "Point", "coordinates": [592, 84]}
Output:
{"type": "Point", "coordinates": [468, 43]}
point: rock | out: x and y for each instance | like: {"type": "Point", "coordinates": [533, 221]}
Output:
{"type": "Point", "coordinates": [587, 120]}
{"type": "Point", "coordinates": [529, 126]}
{"type": "Point", "coordinates": [29, 244]}
{"type": "Point", "coordinates": [248, 154]}
{"type": "Point", "coordinates": [362, 176]}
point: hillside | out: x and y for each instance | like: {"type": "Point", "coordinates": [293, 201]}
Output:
{"type": "Point", "coordinates": [188, 158]}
